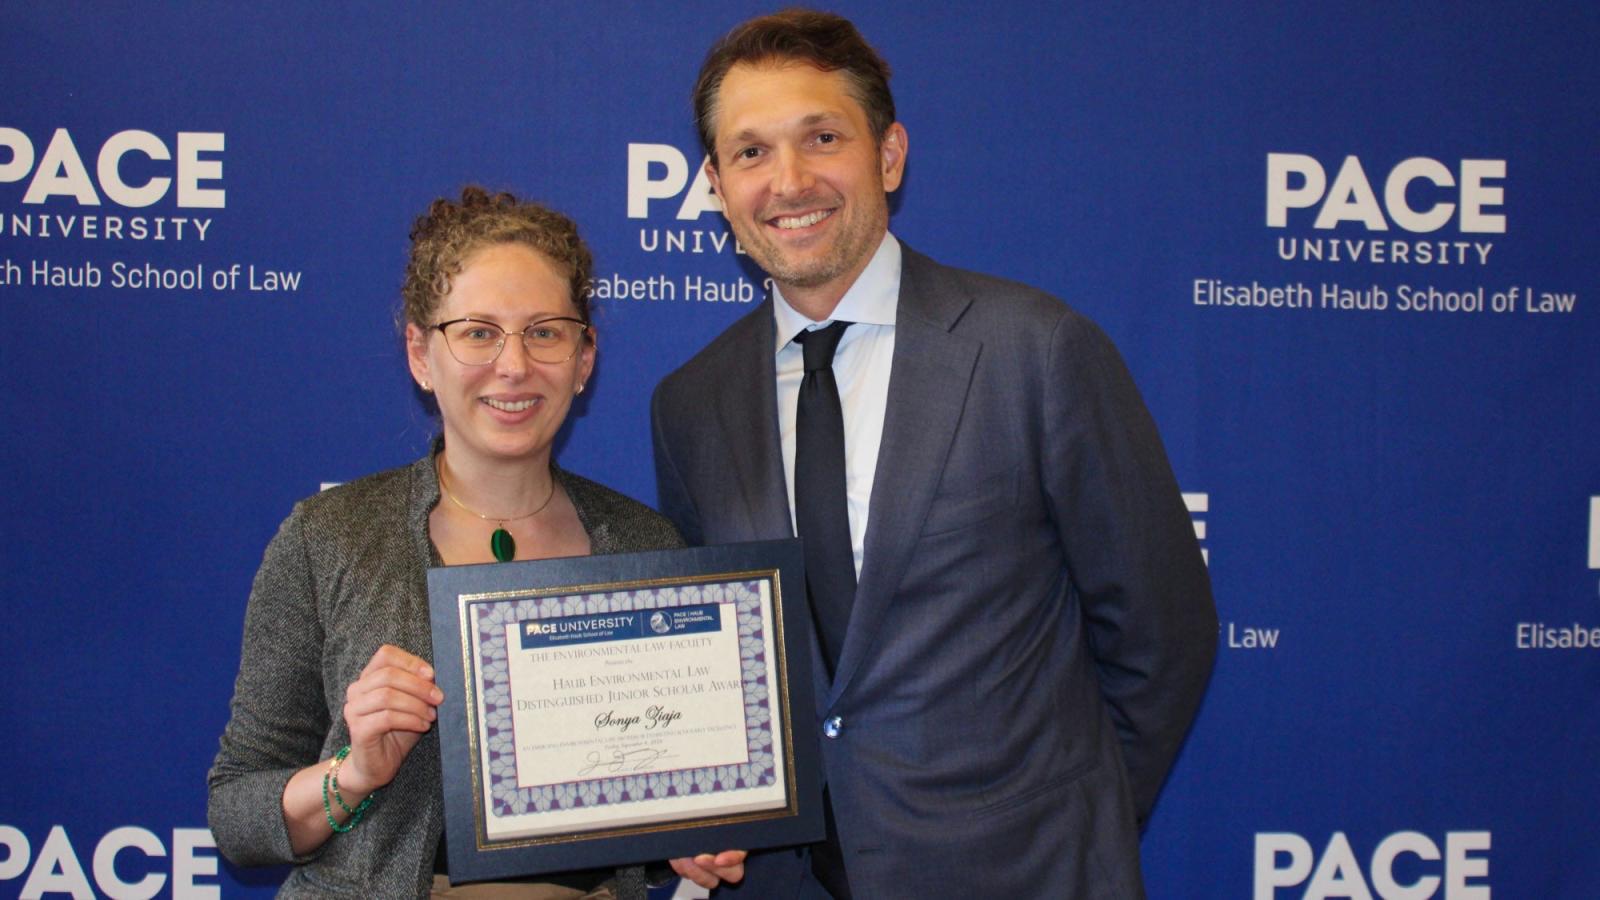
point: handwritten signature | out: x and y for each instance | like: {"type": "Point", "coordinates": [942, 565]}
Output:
{"type": "Point", "coordinates": [636, 760]}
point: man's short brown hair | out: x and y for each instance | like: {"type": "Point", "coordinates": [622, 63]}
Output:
{"type": "Point", "coordinates": [829, 42]}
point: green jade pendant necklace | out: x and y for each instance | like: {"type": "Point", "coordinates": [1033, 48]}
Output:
{"type": "Point", "coordinates": [501, 543]}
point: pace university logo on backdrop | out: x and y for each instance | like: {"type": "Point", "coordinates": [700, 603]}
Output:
{"type": "Point", "coordinates": [1198, 504]}
{"type": "Point", "coordinates": [659, 182]}
{"type": "Point", "coordinates": [681, 235]}
{"type": "Point", "coordinates": [1594, 532]}
{"type": "Point", "coordinates": [57, 867]}
{"type": "Point", "coordinates": [1421, 196]}
{"type": "Point", "coordinates": [1460, 872]}
{"type": "Point", "coordinates": [133, 170]}
{"type": "Point", "coordinates": [1382, 234]}
{"type": "Point", "coordinates": [140, 219]}
{"type": "Point", "coordinates": [1570, 633]}
{"type": "Point", "coordinates": [1235, 635]}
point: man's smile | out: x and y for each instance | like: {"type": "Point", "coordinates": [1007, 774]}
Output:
{"type": "Point", "coordinates": [790, 223]}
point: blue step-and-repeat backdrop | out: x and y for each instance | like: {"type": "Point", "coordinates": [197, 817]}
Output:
{"type": "Point", "coordinates": [1347, 249]}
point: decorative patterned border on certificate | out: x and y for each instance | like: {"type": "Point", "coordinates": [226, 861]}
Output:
{"type": "Point", "coordinates": [509, 798]}
{"type": "Point", "coordinates": [771, 799]}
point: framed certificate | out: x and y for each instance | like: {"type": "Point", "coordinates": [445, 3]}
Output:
{"type": "Point", "coordinates": [605, 710]}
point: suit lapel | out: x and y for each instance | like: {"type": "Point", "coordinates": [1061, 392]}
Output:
{"type": "Point", "coordinates": [747, 414]}
{"type": "Point", "coordinates": [928, 384]}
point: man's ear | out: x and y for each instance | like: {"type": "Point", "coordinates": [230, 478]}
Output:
{"type": "Point", "coordinates": [892, 156]}
{"type": "Point", "coordinates": [711, 175]}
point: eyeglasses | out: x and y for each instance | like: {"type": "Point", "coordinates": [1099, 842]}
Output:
{"type": "Point", "coordinates": [475, 342]}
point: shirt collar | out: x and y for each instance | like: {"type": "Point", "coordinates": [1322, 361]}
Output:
{"type": "Point", "coordinates": [871, 300]}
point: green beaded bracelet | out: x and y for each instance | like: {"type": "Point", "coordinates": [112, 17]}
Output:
{"type": "Point", "coordinates": [333, 773]}
{"type": "Point", "coordinates": [330, 785]}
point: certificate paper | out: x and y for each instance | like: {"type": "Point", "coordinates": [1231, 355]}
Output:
{"type": "Point", "coordinates": [623, 708]}
{"type": "Point", "coordinates": [594, 710]}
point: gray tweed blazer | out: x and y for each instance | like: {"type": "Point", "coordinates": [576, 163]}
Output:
{"type": "Point", "coordinates": [345, 574]}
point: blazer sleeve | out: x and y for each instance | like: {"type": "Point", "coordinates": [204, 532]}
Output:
{"type": "Point", "coordinates": [1131, 550]}
{"type": "Point", "coordinates": [672, 492]}
{"type": "Point", "coordinates": [279, 719]}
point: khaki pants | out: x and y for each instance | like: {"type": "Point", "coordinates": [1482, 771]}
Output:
{"type": "Point", "coordinates": [495, 890]}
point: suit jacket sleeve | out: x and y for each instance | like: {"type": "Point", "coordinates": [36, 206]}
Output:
{"type": "Point", "coordinates": [1131, 551]}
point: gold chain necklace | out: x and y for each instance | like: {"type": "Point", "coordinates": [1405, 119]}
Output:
{"type": "Point", "coordinates": [501, 543]}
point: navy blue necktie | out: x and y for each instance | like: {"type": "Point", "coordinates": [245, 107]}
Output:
{"type": "Point", "coordinates": [821, 511]}
{"type": "Point", "coordinates": [822, 516]}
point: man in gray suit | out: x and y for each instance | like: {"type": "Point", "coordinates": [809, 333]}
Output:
{"type": "Point", "coordinates": [1014, 626]}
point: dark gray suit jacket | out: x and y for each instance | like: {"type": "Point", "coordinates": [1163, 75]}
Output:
{"type": "Point", "coordinates": [1033, 627]}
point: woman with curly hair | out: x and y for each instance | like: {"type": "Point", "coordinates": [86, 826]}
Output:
{"type": "Point", "coordinates": [334, 677]}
